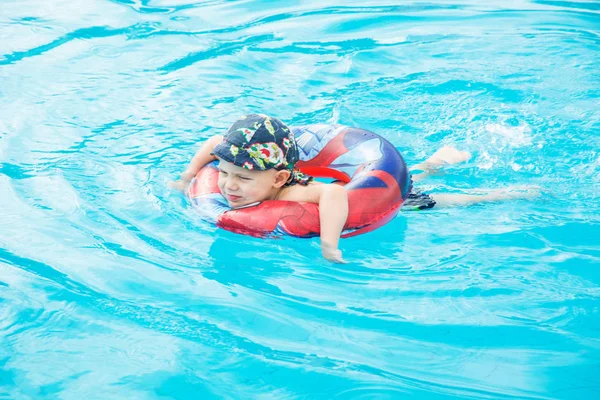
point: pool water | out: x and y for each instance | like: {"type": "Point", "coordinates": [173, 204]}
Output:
{"type": "Point", "coordinates": [111, 286]}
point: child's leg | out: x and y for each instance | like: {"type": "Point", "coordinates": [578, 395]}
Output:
{"type": "Point", "coordinates": [445, 156]}
{"type": "Point", "coordinates": [455, 199]}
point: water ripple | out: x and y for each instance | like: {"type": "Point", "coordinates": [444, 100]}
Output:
{"type": "Point", "coordinates": [109, 281]}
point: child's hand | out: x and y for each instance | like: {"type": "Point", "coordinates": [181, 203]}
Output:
{"type": "Point", "coordinates": [182, 183]}
{"type": "Point", "coordinates": [179, 185]}
{"type": "Point", "coordinates": [332, 253]}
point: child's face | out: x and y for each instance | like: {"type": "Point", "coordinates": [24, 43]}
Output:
{"type": "Point", "coordinates": [242, 187]}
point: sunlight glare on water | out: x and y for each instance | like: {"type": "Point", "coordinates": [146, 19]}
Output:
{"type": "Point", "coordinates": [111, 286]}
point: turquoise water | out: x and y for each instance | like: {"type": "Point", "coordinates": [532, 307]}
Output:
{"type": "Point", "coordinates": [112, 287]}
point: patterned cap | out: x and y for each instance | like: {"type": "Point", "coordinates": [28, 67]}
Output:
{"type": "Point", "coordinates": [257, 141]}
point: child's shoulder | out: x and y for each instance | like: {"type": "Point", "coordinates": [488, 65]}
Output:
{"type": "Point", "coordinates": [310, 193]}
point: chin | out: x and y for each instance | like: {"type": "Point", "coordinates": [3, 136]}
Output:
{"type": "Point", "coordinates": [241, 204]}
{"type": "Point", "coordinates": [237, 203]}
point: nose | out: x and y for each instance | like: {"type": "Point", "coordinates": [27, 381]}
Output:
{"type": "Point", "coordinates": [231, 184]}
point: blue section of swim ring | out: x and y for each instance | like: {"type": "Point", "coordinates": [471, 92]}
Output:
{"type": "Point", "coordinates": [391, 162]}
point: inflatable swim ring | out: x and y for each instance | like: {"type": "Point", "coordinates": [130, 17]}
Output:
{"type": "Point", "coordinates": [373, 171]}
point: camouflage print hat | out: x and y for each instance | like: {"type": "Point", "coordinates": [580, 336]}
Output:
{"type": "Point", "coordinates": [259, 142]}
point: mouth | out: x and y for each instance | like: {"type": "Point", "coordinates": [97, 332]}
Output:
{"type": "Point", "coordinates": [232, 197]}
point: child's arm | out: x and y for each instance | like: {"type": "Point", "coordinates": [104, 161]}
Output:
{"type": "Point", "coordinates": [333, 213]}
{"type": "Point", "coordinates": [200, 159]}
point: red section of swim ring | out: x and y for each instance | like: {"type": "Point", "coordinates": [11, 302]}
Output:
{"type": "Point", "coordinates": [298, 219]}
{"type": "Point", "coordinates": [206, 182]}
{"type": "Point", "coordinates": [383, 219]}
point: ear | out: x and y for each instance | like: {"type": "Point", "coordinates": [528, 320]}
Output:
{"type": "Point", "coordinates": [281, 177]}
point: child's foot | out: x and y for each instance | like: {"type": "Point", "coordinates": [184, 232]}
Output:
{"type": "Point", "coordinates": [445, 156]}
{"type": "Point", "coordinates": [448, 155]}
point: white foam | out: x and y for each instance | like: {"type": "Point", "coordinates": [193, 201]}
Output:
{"type": "Point", "coordinates": [514, 136]}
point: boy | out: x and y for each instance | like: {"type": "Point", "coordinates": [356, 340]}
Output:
{"type": "Point", "coordinates": [257, 158]}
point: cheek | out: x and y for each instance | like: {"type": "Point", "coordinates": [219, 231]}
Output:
{"type": "Point", "coordinates": [246, 187]}
{"type": "Point", "coordinates": [261, 187]}
{"type": "Point", "coordinates": [221, 183]}
{"type": "Point", "coordinates": [251, 188]}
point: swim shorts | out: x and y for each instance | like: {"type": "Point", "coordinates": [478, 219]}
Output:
{"type": "Point", "coordinates": [417, 201]}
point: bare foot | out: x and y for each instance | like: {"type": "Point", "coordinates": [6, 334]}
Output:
{"type": "Point", "coordinates": [448, 155]}
{"type": "Point", "coordinates": [444, 156]}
